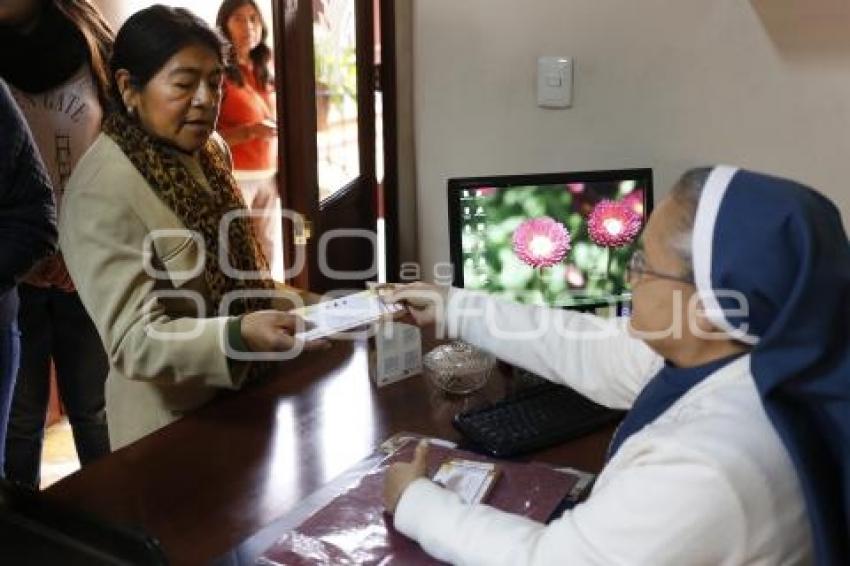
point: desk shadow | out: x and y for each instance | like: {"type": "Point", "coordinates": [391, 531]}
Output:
{"type": "Point", "coordinates": [814, 30]}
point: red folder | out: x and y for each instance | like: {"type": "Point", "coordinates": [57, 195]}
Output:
{"type": "Point", "coordinates": [354, 529]}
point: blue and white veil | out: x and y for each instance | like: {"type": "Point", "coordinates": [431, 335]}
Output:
{"type": "Point", "coordinates": [772, 266]}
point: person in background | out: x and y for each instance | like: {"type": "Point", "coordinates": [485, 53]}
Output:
{"type": "Point", "coordinates": [247, 122]}
{"type": "Point", "coordinates": [155, 186]}
{"type": "Point", "coordinates": [736, 448]}
{"type": "Point", "coordinates": [55, 55]}
{"type": "Point", "coordinates": [28, 233]}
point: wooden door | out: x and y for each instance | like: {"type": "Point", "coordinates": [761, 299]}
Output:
{"type": "Point", "coordinates": [327, 79]}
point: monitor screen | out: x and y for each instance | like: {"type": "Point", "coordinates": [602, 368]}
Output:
{"type": "Point", "coordinates": [559, 239]}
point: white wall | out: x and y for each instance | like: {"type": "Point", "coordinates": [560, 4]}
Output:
{"type": "Point", "coordinates": [669, 84]}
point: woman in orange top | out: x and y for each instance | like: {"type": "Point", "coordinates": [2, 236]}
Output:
{"type": "Point", "coordinates": [247, 122]}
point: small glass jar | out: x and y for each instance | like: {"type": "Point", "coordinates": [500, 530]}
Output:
{"type": "Point", "coordinates": [458, 368]}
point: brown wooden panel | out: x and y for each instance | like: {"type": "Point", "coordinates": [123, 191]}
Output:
{"type": "Point", "coordinates": [296, 107]}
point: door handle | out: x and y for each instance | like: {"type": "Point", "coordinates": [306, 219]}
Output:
{"type": "Point", "coordinates": [303, 233]}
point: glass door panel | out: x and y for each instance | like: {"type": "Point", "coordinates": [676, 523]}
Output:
{"type": "Point", "coordinates": [335, 63]}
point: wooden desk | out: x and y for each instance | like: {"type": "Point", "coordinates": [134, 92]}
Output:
{"type": "Point", "coordinates": [218, 476]}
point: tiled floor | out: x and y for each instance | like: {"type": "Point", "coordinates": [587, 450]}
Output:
{"type": "Point", "coordinates": [59, 457]}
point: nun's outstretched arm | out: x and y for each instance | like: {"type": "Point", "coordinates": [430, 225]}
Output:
{"type": "Point", "coordinates": [593, 355]}
{"type": "Point", "coordinates": [669, 507]}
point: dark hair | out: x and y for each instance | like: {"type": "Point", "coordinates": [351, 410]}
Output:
{"type": "Point", "coordinates": [260, 55]}
{"type": "Point", "coordinates": [98, 38]}
{"type": "Point", "coordinates": [150, 37]}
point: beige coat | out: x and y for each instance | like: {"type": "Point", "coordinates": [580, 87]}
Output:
{"type": "Point", "coordinates": [165, 358]}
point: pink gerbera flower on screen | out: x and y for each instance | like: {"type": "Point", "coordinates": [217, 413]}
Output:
{"type": "Point", "coordinates": [613, 224]}
{"type": "Point", "coordinates": [541, 242]}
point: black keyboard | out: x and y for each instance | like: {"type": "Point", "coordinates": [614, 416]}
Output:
{"type": "Point", "coordinates": [536, 418]}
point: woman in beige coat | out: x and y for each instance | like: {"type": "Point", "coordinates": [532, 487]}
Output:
{"type": "Point", "coordinates": [180, 309]}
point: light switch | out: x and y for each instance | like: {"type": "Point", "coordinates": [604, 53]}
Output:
{"type": "Point", "coordinates": [554, 82]}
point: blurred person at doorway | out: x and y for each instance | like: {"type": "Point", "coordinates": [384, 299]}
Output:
{"type": "Point", "coordinates": [55, 55]}
{"type": "Point", "coordinates": [247, 122]}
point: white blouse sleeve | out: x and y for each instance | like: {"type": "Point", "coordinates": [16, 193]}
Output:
{"type": "Point", "coordinates": [666, 507]}
{"type": "Point", "coordinates": [594, 356]}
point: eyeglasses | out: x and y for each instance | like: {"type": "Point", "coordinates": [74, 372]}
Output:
{"type": "Point", "coordinates": [637, 269]}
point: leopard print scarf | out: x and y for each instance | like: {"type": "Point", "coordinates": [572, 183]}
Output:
{"type": "Point", "coordinates": [199, 209]}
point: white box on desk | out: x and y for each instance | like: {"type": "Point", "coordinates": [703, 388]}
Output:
{"type": "Point", "coordinates": [395, 352]}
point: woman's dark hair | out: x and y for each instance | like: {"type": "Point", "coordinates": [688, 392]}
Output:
{"type": "Point", "coordinates": [260, 55]}
{"type": "Point", "coordinates": [97, 35]}
{"type": "Point", "coordinates": [150, 37]}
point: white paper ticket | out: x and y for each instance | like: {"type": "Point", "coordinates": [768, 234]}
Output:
{"type": "Point", "coordinates": [338, 315]}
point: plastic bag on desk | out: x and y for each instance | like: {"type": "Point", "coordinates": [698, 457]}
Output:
{"type": "Point", "coordinates": [354, 529]}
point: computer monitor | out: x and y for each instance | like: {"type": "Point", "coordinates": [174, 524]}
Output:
{"type": "Point", "coordinates": [558, 239]}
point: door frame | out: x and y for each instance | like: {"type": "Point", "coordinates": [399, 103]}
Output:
{"type": "Point", "coordinates": [293, 52]}
{"type": "Point", "coordinates": [389, 90]}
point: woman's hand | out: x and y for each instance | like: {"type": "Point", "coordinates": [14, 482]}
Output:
{"type": "Point", "coordinates": [247, 132]}
{"type": "Point", "coordinates": [402, 474]}
{"type": "Point", "coordinates": [273, 331]}
{"type": "Point", "coordinates": [263, 129]}
{"type": "Point", "coordinates": [51, 272]}
{"type": "Point", "coordinates": [425, 301]}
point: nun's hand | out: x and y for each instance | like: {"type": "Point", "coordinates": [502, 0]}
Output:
{"type": "Point", "coordinates": [424, 301]}
{"type": "Point", "coordinates": [402, 474]}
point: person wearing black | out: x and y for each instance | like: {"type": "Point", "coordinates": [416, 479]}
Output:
{"type": "Point", "coordinates": [28, 233]}
{"type": "Point", "coordinates": [55, 59]}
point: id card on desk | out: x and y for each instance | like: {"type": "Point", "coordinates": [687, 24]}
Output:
{"type": "Point", "coordinates": [345, 313]}
{"type": "Point", "coordinates": [471, 480]}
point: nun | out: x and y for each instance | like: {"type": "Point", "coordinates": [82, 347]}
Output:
{"type": "Point", "coordinates": [735, 368]}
